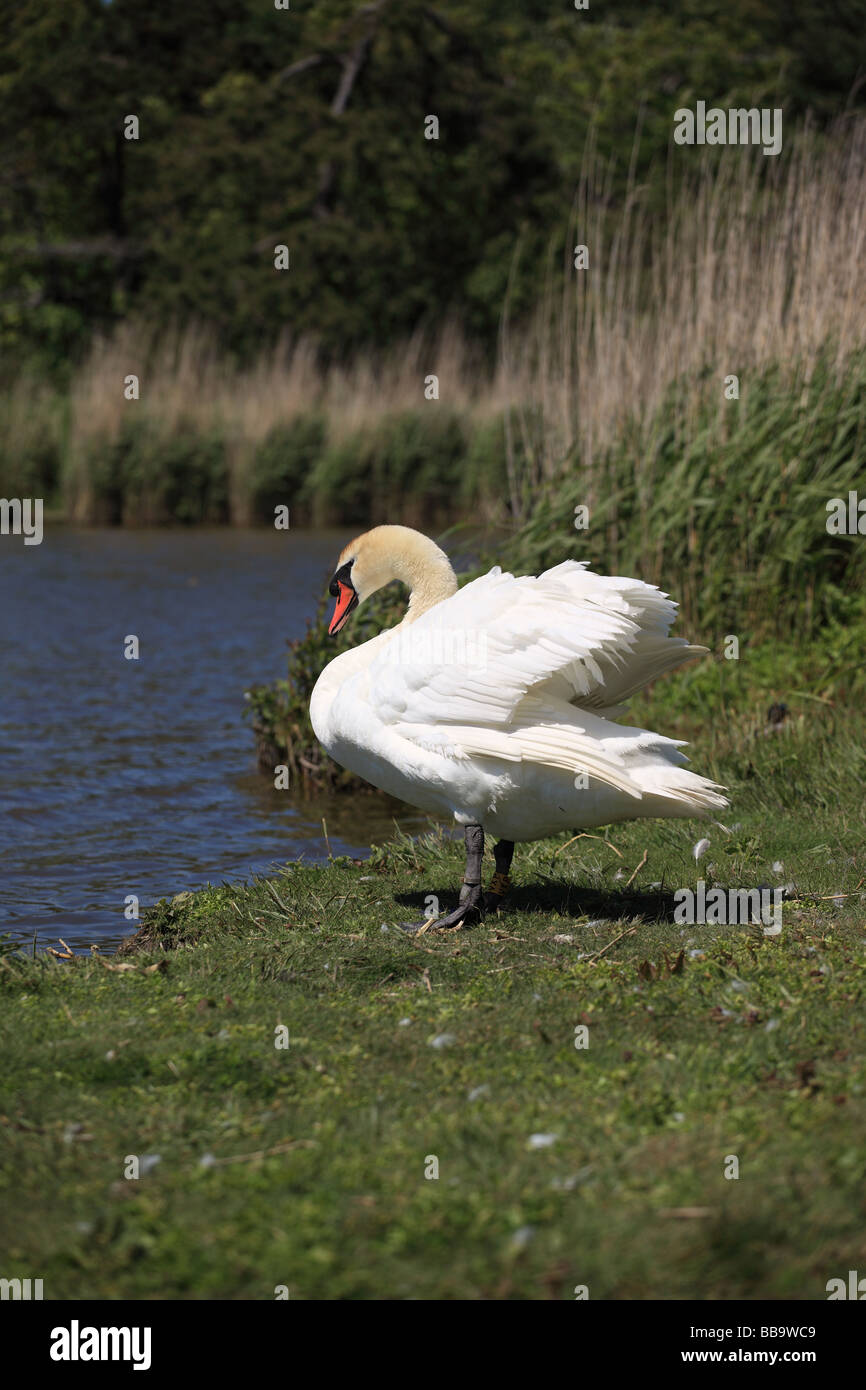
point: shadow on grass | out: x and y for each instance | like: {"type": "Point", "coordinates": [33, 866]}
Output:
{"type": "Point", "coordinates": [555, 896]}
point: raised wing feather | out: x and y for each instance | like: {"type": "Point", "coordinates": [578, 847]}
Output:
{"type": "Point", "coordinates": [471, 660]}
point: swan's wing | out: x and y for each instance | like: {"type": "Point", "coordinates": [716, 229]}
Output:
{"type": "Point", "coordinates": [472, 660]}
{"type": "Point", "coordinates": [630, 663]}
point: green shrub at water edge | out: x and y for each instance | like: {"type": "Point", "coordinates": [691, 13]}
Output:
{"type": "Point", "coordinates": [729, 515]}
{"type": "Point", "coordinates": [147, 476]}
{"type": "Point", "coordinates": [32, 433]}
{"type": "Point", "coordinates": [282, 466]}
{"type": "Point", "coordinates": [408, 465]}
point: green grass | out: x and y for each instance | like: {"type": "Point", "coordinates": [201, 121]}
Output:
{"type": "Point", "coordinates": [752, 1047]}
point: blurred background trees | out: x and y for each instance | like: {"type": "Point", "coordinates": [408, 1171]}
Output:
{"type": "Point", "coordinates": [305, 126]}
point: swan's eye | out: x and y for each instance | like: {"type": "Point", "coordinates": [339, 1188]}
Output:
{"type": "Point", "coordinates": [342, 576]}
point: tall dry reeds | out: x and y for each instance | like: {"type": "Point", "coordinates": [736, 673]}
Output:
{"type": "Point", "coordinates": [755, 263]}
{"type": "Point", "coordinates": [758, 262]}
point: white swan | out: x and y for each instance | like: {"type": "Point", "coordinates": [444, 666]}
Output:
{"type": "Point", "coordinates": [495, 704]}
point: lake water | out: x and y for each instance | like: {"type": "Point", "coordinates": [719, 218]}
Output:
{"type": "Point", "coordinates": [139, 777]}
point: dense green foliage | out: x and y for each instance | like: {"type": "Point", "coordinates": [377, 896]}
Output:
{"type": "Point", "coordinates": [422, 468]}
{"type": "Point", "coordinates": [730, 514]}
{"type": "Point", "coordinates": [305, 127]}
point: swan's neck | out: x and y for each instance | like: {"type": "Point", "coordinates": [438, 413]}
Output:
{"type": "Point", "coordinates": [428, 591]}
{"type": "Point", "coordinates": [426, 571]}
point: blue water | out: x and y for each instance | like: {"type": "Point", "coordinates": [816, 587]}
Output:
{"type": "Point", "coordinates": [139, 777]}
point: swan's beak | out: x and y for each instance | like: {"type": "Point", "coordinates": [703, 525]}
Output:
{"type": "Point", "coordinates": [347, 599]}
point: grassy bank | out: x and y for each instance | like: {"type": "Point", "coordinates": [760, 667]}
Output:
{"type": "Point", "coordinates": [305, 1167]}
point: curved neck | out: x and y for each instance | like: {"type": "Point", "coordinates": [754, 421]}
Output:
{"type": "Point", "coordinates": [418, 563]}
{"type": "Point", "coordinates": [427, 588]}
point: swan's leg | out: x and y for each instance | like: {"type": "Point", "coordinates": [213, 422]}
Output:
{"type": "Point", "coordinates": [470, 889]}
{"type": "Point", "coordinates": [503, 853]}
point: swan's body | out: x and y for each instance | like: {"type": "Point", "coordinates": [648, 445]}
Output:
{"type": "Point", "coordinates": [496, 705]}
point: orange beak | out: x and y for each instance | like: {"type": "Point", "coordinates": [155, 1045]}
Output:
{"type": "Point", "coordinates": [346, 600]}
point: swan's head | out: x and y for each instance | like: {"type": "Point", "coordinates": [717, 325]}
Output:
{"type": "Point", "coordinates": [385, 553]}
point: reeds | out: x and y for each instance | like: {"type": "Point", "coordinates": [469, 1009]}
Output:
{"type": "Point", "coordinates": [757, 263]}
{"type": "Point", "coordinates": [753, 269]}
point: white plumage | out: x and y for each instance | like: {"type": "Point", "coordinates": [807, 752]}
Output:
{"type": "Point", "coordinates": [495, 705]}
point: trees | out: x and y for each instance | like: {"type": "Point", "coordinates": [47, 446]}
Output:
{"type": "Point", "coordinates": [306, 127]}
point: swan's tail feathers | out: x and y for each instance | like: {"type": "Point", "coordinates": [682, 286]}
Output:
{"type": "Point", "coordinates": [659, 769]}
{"type": "Point", "coordinates": [561, 748]}
{"type": "Point", "coordinates": [571, 750]}
{"type": "Point", "coordinates": [675, 791]}
{"type": "Point", "coordinates": [647, 767]}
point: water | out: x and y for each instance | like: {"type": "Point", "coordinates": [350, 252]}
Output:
{"type": "Point", "coordinates": [139, 777]}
